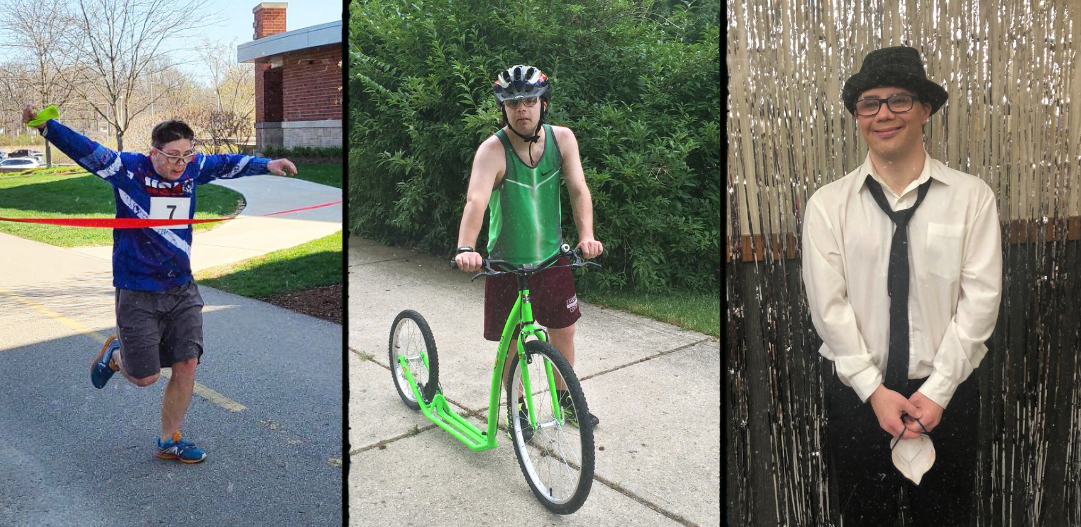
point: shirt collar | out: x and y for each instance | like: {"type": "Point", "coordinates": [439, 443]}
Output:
{"type": "Point", "coordinates": [931, 170]}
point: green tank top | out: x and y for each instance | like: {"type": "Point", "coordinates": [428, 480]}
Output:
{"type": "Point", "coordinates": [524, 225]}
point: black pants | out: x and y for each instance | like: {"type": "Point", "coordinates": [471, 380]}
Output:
{"type": "Point", "coordinates": [870, 485]}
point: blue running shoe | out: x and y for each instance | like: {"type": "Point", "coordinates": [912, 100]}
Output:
{"type": "Point", "coordinates": [101, 370]}
{"type": "Point", "coordinates": [184, 451]}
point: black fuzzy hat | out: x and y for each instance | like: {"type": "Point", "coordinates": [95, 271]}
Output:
{"type": "Point", "coordinates": [897, 66]}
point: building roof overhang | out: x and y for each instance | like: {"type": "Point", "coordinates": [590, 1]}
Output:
{"type": "Point", "coordinates": [298, 39]}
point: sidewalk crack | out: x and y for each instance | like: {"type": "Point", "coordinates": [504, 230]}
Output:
{"type": "Point", "coordinates": [644, 359]}
{"type": "Point", "coordinates": [652, 506]}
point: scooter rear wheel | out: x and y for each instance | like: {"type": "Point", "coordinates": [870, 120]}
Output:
{"type": "Point", "coordinates": [411, 338]}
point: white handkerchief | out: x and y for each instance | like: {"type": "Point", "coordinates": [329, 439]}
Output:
{"type": "Point", "coordinates": [914, 457]}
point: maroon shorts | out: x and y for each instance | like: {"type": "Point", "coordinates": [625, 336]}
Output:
{"type": "Point", "coordinates": [555, 304]}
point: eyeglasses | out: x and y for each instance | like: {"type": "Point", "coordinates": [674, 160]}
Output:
{"type": "Point", "coordinates": [897, 103]}
{"type": "Point", "coordinates": [529, 102]}
{"type": "Point", "coordinates": [175, 159]}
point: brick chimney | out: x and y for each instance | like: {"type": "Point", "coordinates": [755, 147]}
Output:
{"type": "Point", "coordinates": [269, 19]}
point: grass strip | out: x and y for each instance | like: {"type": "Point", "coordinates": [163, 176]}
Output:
{"type": "Point", "coordinates": [71, 192]}
{"type": "Point", "coordinates": [700, 312]}
{"type": "Point", "coordinates": [314, 264]}
{"type": "Point", "coordinates": [329, 174]}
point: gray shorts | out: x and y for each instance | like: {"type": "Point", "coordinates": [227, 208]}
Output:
{"type": "Point", "coordinates": [159, 328]}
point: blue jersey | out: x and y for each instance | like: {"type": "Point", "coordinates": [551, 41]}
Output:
{"type": "Point", "coordinates": [153, 258]}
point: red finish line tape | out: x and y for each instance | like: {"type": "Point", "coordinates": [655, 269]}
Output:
{"type": "Point", "coordinates": [139, 223]}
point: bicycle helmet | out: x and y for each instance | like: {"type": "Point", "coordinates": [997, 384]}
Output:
{"type": "Point", "coordinates": [522, 82]}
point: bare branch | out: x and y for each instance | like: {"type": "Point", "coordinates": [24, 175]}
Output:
{"type": "Point", "coordinates": [123, 51]}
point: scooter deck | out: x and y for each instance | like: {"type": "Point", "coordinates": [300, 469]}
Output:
{"type": "Point", "coordinates": [440, 413]}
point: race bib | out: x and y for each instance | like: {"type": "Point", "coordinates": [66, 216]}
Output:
{"type": "Point", "coordinates": [170, 209]}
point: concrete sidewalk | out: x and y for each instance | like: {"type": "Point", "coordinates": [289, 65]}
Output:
{"type": "Point", "coordinates": [655, 388]}
{"type": "Point", "coordinates": [252, 233]}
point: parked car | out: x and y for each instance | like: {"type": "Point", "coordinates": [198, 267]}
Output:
{"type": "Point", "coordinates": [40, 157]}
{"type": "Point", "coordinates": [18, 164]}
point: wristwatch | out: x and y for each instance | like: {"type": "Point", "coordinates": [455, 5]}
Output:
{"type": "Point", "coordinates": [464, 249]}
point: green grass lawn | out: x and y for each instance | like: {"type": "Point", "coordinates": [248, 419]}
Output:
{"type": "Point", "coordinates": [329, 174]}
{"type": "Point", "coordinates": [62, 192]}
{"type": "Point", "coordinates": [314, 264]}
{"type": "Point", "coordinates": [696, 311]}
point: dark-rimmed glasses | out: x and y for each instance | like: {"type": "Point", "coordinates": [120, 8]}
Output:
{"type": "Point", "coordinates": [897, 103]}
{"type": "Point", "coordinates": [529, 102]}
{"type": "Point", "coordinates": [178, 159]}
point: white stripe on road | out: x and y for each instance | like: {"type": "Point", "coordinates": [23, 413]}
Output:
{"type": "Point", "coordinates": [200, 390]}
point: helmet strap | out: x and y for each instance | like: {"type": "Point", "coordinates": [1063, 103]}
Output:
{"type": "Point", "coordinates": [536, 133]}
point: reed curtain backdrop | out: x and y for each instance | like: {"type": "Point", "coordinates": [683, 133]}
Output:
{"type": "Point", "coordinates": [1010, 68]}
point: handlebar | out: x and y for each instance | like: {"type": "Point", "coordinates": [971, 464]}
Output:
{"type": "Point", "coordinates": [504, 267]}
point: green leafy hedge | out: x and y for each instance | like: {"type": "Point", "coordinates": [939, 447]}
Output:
{"type": "Point", "coordinates": [637, 81]}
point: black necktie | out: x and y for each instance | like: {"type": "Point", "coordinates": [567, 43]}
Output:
{"type": "Point", "coordinates": [897, 285]}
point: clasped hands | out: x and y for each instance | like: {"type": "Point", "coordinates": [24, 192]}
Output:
{"type": "Point", "coordinates": [897, 414]}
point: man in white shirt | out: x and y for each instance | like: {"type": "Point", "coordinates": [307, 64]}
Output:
{"type": "Point", "coordinates": [930, 268]}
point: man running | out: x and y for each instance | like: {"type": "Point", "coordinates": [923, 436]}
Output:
{"type": "Point", "coordinates": [158, 308]}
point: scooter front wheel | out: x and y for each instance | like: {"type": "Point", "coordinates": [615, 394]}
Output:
{"type": "Point", "coordinates": [557, 458]}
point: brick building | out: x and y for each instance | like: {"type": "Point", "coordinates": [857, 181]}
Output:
{"type": "Point", "coordinates": [298, 79]}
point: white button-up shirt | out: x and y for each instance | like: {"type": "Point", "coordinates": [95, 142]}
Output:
{"type": "Point", "coordinates": [955, 273]}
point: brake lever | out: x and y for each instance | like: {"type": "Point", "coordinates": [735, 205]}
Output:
{"type": "Point", "coordinates": [577, 254]}
{"type": "Point", "coordinates": [578, 262]}
{"type": "Point", "coordinates": [488, 271]}
{"type": "Point", "coordinates": [454, 265]}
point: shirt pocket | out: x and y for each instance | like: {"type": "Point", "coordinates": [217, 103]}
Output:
{"type": "Point", "coordinates": [944, 249]}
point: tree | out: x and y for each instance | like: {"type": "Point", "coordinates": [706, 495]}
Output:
{"type": "Point", "coordinates": [123, 46]}
{"type": "Point", "coordinates": [34, 28]}
{"type": "Point", "coordinates": [232, 113]}
{"type": "Point", "coordinates": [183, 95]}
{"type": "Point", "coordinates": [15, 81]}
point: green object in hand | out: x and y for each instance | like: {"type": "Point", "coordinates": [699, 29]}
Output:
{"type": "Point", "coordinates": [50, 112]}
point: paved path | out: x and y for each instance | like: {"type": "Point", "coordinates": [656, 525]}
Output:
{"type": "Point", "coordinates": [654, 387]}
{"type": "Point", "coordinates": [268, 410]}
